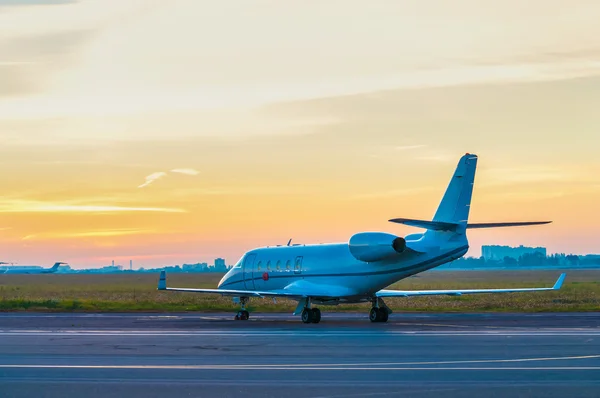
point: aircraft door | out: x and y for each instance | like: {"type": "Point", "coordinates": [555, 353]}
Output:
{"type": "Point", "coordinates": [298, 265]}
{"type": "Point", "coordinates": [248, 269]}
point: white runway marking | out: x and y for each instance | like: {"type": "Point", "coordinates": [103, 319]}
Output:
{"type": "Point", "coordinates": [426, 362]}
{"type": "Point", "coordinates": [337, 366]}
{"type": "Point", "coordinates": [445, 325]}
{"type": "Point", "coordinates": [302, 333]}
{"type": "Point", "coordinates": [287, 367]}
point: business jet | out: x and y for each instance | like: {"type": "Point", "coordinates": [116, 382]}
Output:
{"type": "Point", "coordinates": [360, 270]}
{"type": "Point", "coordinates": [31, 269]}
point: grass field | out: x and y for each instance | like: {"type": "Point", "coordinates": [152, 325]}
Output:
{"type": "Point", "coordinates": [137, 292]}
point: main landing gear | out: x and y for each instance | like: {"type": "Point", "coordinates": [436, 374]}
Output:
{"type": "Point", "coordinates": [378, 315]}
{"type": "Point", "coordinates": [243, 314]}
{"type": "Point", "coordinates": [308, 314]}
{"type": "Point", "coordinates": [380, 311]}
{"type": "Point", "coordinates": [311, 315]}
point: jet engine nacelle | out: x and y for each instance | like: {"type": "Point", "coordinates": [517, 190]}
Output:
{"type": "Point", "coordinates": [375, 246]}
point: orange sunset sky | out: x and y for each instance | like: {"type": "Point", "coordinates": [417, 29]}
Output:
{"type": "Point", "coordinates": [180, 131]}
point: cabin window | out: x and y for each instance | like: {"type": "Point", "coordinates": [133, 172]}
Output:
{"type": "Point", "coordinates": [268, 266]}
{"type": "Point", "coordinates": [259, 265]}
{"type": "Point", "coordinates": [298, 263]}
{"type": "Point", "coordinates": [288, 265]}
{"type": "Point", "coordinates": [278, 265]}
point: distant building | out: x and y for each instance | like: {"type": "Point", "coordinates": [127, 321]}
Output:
{"type": "Point", "coordinates": [198, 267]}
{"type": "Point", "coordinates": [498, 253]}
{"type": "Point", "coordinates": [110, 268]}
{"type": "Point", "coordinates": [220, 264]}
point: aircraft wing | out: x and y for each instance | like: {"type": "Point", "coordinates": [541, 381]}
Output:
{"type": "Point", "coordinates": [408, 293]}
{"type": "Point", "coordinates": [291, 293]}
{"type": "Point", "coordinates": [223, 292]}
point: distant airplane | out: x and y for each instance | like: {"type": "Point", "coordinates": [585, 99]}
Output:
{"type": "Point", "coordinates": [357, 271]}
{"type": "Point", "coordinates": [30, 269]}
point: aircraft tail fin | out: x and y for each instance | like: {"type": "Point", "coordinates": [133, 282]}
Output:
{"type": "Point", "coordinates": [452, 214]}
{"type": "Point", "coordinates": [55, 267]}
{"type": "Point", "coordinates": [456, 203]}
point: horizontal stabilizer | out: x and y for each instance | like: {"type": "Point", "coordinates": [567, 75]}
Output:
{"type": "Point", "coordinates": [506, 224]}
{"type": "Point", "coordinates": [447, 226]}
{"type": "Point", "coordinates": [430, 225]}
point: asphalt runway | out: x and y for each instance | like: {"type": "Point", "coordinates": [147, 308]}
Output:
{"type": "Point", "coordinates": [275, 355]}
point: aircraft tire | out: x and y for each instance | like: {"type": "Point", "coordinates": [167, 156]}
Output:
{"type": "Point", "coordinates": [383, 315]}
{"type": "Point", "coordinates": [307, 315]}
{"type": "Point", "coordinates": [242, 315]}
{"type": "Point", "coordinates": [374, 315]}
{"type": "Point", "coordinates": [316, 315]}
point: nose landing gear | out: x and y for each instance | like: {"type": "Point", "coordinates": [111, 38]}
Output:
{"type": "Point", "coordinates": [243, 314]}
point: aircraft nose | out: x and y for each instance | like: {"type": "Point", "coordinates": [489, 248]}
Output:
{"type": "Point", "coordinates": [223, 279]}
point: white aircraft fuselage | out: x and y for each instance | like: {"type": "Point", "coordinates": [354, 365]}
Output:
{"type": "Point", "coordinates": [330, 268]}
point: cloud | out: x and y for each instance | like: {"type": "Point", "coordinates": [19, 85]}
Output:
{"type": "Point", "coordinates": [408, 147]}
{"type": "Point", "coordinates": [408, 55]}
{"type": "Point", "coordinates": [391, 193]}
{"type": "Point", "coordinates": [160, 174]}
{"type": "Point", "coordinates": [33, 2]}
{"type": "Point", "coordinates": [438, 156]}
{"type": "Point", "coordinates": [153, 177]}
{"type": "Point", "coordinates": [510, 175]}
{"type": "Point", "coordinates": [90, 234]}
{"type": "Point", "coordinates": [190, 172]}
{"type": "Point", "coordinates": [30, 206]}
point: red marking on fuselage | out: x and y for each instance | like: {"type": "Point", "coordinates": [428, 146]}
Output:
{"type": "Point", "coordinates": [265, 276]}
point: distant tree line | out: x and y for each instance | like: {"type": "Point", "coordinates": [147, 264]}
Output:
{"type": "Point", "coordinates": [535, 259]}
{"type": "Point", "coordinates": [195, 268]}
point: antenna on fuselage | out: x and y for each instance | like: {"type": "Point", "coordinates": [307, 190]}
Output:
{"type": "Point", "coordinates": [289, 242]}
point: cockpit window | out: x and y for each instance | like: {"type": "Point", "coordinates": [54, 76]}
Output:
{"type": "Point", "coordinates": [239, 263]}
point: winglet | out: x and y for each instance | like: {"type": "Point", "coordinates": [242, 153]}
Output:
{"type": "Point", "coordinates": [162, 281]}
{"type": "Point", "coordinates": [559, 281]}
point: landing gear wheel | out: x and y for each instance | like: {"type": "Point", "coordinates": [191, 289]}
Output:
{"type": "Point", "coordinates": [242, 315]}
{"type": "Point", "coordinates": [316, 315]}
{"type": "Point", "coordinates": [307, 315]}
{"type": "Point", "coordinates": [383, 315]}
{"type": "Point", "coordinates": [374, 314]}
{"type": "Point", "coordinates": [378, 314]}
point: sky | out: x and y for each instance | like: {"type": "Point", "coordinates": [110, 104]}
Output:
{"type": "Point", "coordinates": [181, 131]}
